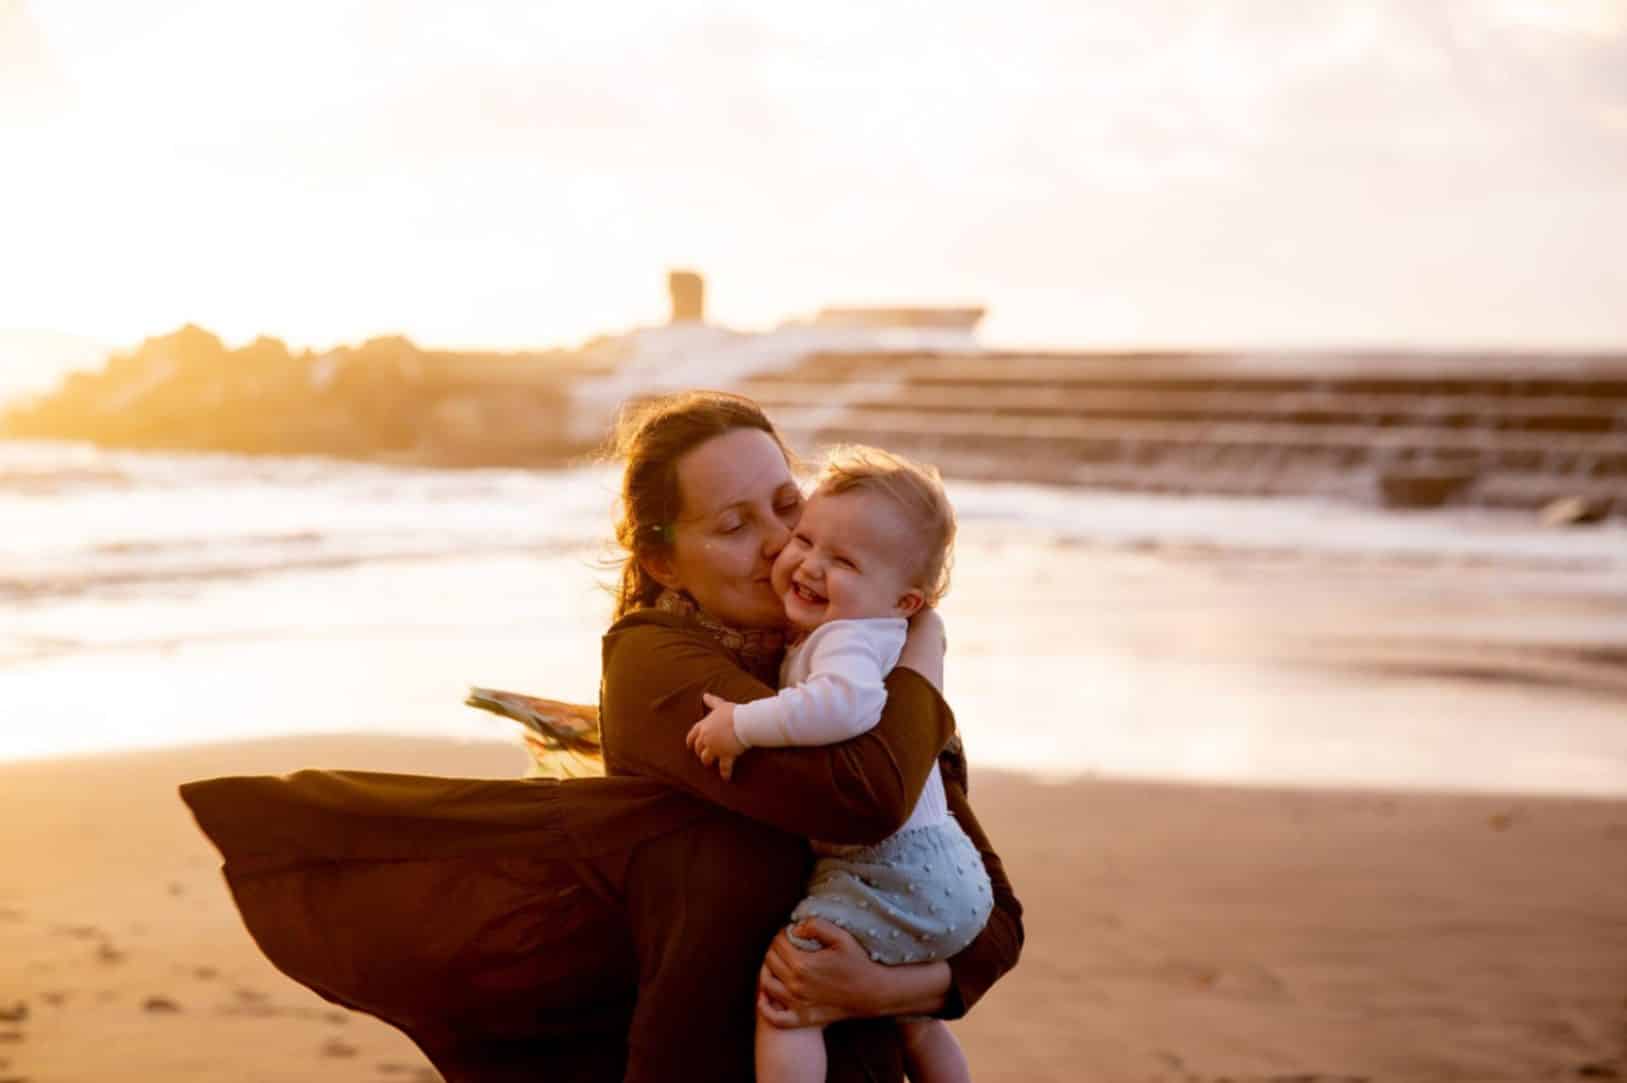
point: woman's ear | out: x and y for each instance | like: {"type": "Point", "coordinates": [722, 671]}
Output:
{"type": "Point", "coordinates": [910, 603]}
{"type": "Point", "coordinates": [658, 564]}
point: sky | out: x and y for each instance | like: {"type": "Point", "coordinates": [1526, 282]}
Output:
{"type": "Point", "coordinates": [518, 173]}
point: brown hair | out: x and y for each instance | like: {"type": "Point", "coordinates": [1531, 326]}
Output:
{"type": "Point", "coordinates": [650, 436]}
{"type": "Point", "coordinates": [916, 488]}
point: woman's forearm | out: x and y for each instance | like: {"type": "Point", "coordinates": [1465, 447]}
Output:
{"type": "Point", "coordinates": [859, 791]}
{"type": "Point", "coordinates": [1000, 944]}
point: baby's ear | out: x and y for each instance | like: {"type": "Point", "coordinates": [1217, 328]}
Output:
{"type": "Point", "coordinates": [910, 603]}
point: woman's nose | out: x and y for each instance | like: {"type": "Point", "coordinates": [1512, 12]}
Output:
{"type": "Point", "coordinates": [775, 535]}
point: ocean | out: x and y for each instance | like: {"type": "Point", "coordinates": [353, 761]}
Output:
{"type": "Point", "coordinates": [163, 599]}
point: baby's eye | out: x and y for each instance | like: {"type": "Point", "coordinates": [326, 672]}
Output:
{"type": "Point", "coordinates": [801, 539]}
{"type": "Point", "coordinates": [731, 527]}
{"type": "Point", "coordinates": [843, 562]}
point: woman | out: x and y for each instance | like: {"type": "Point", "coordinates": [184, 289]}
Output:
{"type": "Point", "coordinates": [615, 928]}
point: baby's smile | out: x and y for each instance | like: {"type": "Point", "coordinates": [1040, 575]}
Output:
{"type": "Point", "coordinates": [807, 593]}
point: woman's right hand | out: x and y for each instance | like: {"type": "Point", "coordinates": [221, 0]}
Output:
{"type": "Point", "coordinates": [925, 646]}
{"type": "Point", "coordinates": [799, 988]}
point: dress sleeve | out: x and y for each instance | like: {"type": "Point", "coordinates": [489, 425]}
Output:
{"type": "Point", "coordinates": [998, 946]}
{"type": "Point", "coordinates": [859, 791]}
{"type": "Point", "coordinates": [841, 697]}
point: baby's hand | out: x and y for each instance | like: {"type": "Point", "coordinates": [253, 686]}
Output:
{"type": "Point", "coordinates": [712, 738]}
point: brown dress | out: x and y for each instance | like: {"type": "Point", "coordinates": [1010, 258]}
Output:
{"type": "Point", "coordinates": [591, 929]}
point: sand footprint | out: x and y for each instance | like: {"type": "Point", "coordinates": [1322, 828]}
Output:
{"type": "Point", "coordinates": [250, 1002]}
{"type": "Point", "coordinates": [201, 973]}
{"type": "Point", "coordinates": [106, 953]}
{"type": "Point", "coordinates": [321, 1016]}
{"type": "Point", "coordinates": [79, 932]}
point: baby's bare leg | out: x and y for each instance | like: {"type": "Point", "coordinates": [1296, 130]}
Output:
{"type": "Point", "coordinates": [932, 1053]}
{"type": "Point", "coordinates": [790, 1056]}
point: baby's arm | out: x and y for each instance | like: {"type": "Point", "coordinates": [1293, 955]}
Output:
{"type": "Point", "coordinates": [842, 697]}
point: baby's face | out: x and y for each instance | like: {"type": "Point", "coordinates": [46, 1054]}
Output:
{"type": "Point", "coordinates": [850, 557]}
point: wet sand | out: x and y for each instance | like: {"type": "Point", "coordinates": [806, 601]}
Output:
{"type": "Point", "coordinates": [1175, 932]}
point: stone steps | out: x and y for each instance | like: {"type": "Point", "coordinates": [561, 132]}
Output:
{"type": "Point", "coordinates": [1501, 432]}
{"type": "Point", "coordinates": [1565, 413]}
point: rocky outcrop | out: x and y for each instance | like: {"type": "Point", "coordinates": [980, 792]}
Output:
{"type": "Point", "coordinates": [384, 399]}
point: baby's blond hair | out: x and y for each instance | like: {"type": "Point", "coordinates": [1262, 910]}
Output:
{"type": "Point", "coordinates": [917, 490]}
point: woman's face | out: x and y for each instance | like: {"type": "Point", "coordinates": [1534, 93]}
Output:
{"type": "Point", "coordinates": [738, 505]}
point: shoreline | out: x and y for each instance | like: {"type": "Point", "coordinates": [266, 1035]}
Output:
{"type": "Point", "coordinates": [1174, 931]}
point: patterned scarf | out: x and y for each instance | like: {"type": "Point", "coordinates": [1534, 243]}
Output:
{"type": "Point", "coordinates": [759, 649]}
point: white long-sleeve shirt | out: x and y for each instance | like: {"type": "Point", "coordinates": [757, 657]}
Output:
{"type": "Point", "coordinates": [831, 689]}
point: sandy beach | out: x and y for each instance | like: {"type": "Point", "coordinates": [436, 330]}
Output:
{"type": "Point", "coordinates": [1314, 890]}
{"type": "Point", "coordinates": [1175, 932]}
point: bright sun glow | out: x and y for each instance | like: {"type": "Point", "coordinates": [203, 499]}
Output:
{"type": "Point", "coordinates": [1593, 17]}
{"type": "Point", "coordinates": [519, 174]}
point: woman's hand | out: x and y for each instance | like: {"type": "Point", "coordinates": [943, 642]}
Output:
{"type": "Point", "coordinates": [924, 647]}
{"type": "Point", "coordinates": [797, 988]}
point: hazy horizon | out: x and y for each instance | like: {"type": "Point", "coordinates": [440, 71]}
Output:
{"type": "Point", "coordinates": [1235, 175]}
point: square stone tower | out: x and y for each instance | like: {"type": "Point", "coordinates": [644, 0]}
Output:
{"type": "Point", "coordinates": [688, 292]}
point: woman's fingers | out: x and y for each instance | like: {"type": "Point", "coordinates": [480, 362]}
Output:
{"type": "Point", "coordinates": [782, 959]}
{"type": "Point", "coordinates": [772, 986]}
{"type": "Point", "coordinates": [817, 929]}
{"type": "Point", "coordinates": [777, 1015]}
{"type": "Point", "coordinates": [692, 736]}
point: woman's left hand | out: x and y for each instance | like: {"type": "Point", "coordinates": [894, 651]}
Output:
{"type": "Point", "coordinates": [798, 988]}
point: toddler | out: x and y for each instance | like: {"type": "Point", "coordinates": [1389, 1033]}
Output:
{"type": "Point", "coordinates": [871, 549]}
